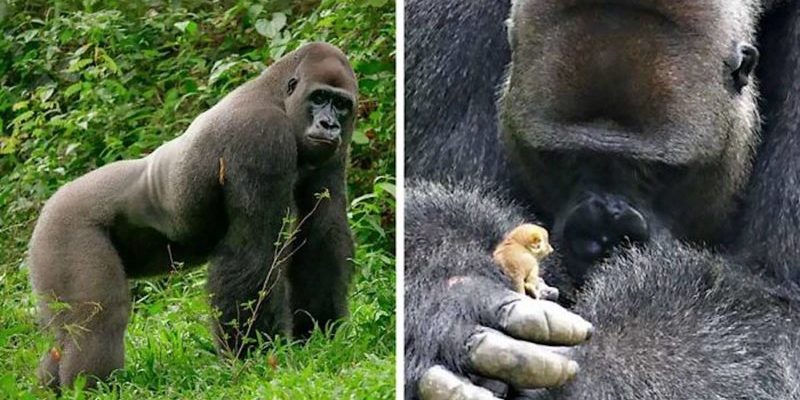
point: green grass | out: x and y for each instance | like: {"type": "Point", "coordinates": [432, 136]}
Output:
{"type": "Point", "coordinates": [85, 83]}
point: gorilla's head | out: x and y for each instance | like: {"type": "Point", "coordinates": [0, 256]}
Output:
{"type": "Point", "coordinates": [320, 101]}
{"type": "Point", "coordinates": [630, 118]}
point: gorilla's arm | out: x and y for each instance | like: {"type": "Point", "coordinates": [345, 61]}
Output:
{"type": "Point", "coordinates": [321, 266]}
{"type": "Point", "coordinates": [446, 64]}
{"type": "Point", "coordinates": [461, 311]}
{"type": "Point", "coordinates": [243, 267]}
{"type": "Point", "coordinates": [772, 217]}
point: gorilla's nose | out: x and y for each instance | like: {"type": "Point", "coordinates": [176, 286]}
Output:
{"type": "Point", "coordinates": [589, 249]}
{"type": "Point", "coordinates": [327, 124]}
{"type": "Point", "coordinates": [595, 226]}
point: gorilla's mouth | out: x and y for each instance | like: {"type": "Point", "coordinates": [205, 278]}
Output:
{"type": "Point", "coordinates": [324, 141]}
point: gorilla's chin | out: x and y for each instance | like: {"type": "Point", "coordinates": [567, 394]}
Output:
{"type": "Point", "coordinates": [315, 152]}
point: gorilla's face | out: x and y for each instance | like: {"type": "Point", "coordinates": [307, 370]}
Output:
{"type": "Point", "coordinates": [626, 109]}
{"type": "Point", "coordinates": [321, 104]}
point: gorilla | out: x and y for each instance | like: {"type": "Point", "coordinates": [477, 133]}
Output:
{"type": "Point", "coordinates": [657, 141]}
{"type": "Point", "coordinates": [221, 193]}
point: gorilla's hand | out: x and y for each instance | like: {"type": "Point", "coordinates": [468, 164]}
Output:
{"type": "Point", "coordinates": [504, 336]}
{"type": "Point", "coordinates": [463, 321]}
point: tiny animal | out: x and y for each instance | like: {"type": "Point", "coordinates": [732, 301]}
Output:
{"type": "Point", "coordinates": [519, 255]}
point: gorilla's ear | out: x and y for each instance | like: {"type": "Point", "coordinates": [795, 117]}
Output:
{"type": "Point", "coordinates": [744, 62]}
{"type": "Point", "coordinates": [291, 85]}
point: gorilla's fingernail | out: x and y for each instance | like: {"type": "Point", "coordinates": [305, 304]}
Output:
{"type": "Point", "coordinates": [572, 369]}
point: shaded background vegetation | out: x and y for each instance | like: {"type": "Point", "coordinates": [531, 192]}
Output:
{"type": "Point", "coordinates": [85, 83]}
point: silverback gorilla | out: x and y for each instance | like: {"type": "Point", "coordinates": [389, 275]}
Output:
{"type": "Point", "coordinates": [660, 148]}
{"type": "Point", "coordinates": [220, 193]}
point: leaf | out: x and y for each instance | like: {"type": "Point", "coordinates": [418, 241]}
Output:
{"type": "Point", "coordinates": [29, 35]}
{"type": "Point", "coordinates": [8, 145]}
{"type": "Point", "coordinates": [278, 21]}
{"type": "Point", "coordinates": [188, 27]}
{"type": "Point", "coordinates": [182, 25]}
{"type": "Point", "coordinates": [23, 117]}
{"type": "Point", "coordinates": [78, 64]}
{"type": "Point", "coordinates": [389, 188]}
{"type": "Point", "coordinates": [254, 10]}
{"type": "Point", "coordinates": [82, 50]}
{"type": "Point", "coordinates": [45, 94]}
{"type": "Point", "coordinates": [71, 148]}
{"type": "Point", "coordinates": [19, 105]}
{"type": "Point", "coordinates": [272, 28]}
{"type": "Point", "coordinates": [262, 27]}
{"type": "Point", "coordinates": [218, 70]}
{"type": "Point", "coordinates": [110, 63]}
{"type": "Point", "coordinates": [359, 137]}
{"type": "Point", "coordinates": [72, 89]}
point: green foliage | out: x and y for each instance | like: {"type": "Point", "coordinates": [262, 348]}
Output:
{"type": "Point", "coordinates": [88, 82]}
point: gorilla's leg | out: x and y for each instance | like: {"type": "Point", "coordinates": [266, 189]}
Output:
{"type": "Point", "coordinates": [321, 267]}
{"type": "Point", "coordinates": [245, 278]}
{"type": "Point", "coordinates": [87, 304]}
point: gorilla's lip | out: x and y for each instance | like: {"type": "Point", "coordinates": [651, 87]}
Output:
{"type": "Point", "coordinates": [322, 139]}
{"type": "Point", "coordinates": [654, 145]}
{"type": "Point", "coordinates": [653, 8]}
{"type": "Point", "coordinates": [640, 5]}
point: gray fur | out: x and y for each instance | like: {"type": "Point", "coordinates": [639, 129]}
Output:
{"type": "Point", "coordinates": [131, 218]}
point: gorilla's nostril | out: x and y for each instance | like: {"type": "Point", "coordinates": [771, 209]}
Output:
{"type": "Point", "coordinates": [632, 225]}
{"type": "Point", "coordinates": [587, 249]}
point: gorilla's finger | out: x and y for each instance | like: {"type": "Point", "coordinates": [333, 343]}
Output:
{"type": "Point", "coordinates": [440, 384]}
{"type": "Point", "coordinates": [542, 321]}
{"type": "Point", "coordinates": [521, 364]}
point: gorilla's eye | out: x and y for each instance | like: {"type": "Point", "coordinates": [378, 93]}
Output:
{"type": "Point", "coordinates": [318, 98]}
{"type": "Point", "coordinates": [341, 104]}
{"type": "Point", "coordinates": [291, 86]}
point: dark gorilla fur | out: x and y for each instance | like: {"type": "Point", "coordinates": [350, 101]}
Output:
{"type": "Point", "coordinates": [219, 193]}
{"type": "Point", "coordinates": [708, 307]}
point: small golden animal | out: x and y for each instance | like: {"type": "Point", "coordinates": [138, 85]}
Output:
{"type": "Point", "coordinates": [519, 254]}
